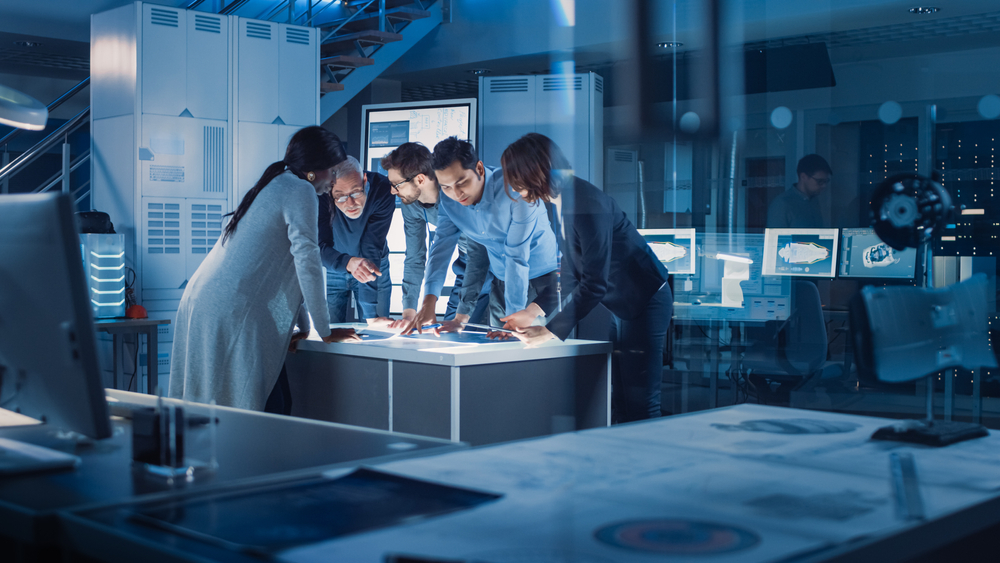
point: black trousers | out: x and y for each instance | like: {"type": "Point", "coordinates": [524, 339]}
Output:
{"type": "Point", "coordinates": [637, 359]}
{"type": "Point", "coordinates": [280, 399]}
{"type": "Point", "coordinates": [542, 285]}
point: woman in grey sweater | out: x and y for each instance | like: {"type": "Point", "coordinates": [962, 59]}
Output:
{"type": "Point", "coordinates": [238, 314]}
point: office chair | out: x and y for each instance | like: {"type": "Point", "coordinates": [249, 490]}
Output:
{"type": "Point", "coordinates": [791, 352]}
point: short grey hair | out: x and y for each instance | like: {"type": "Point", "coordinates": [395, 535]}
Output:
{"type": "Point", "coordinates": [349, 166]}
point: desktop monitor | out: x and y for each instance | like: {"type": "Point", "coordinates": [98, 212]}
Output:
{"type": "Point", "coordinates": [386, 126]}
{"type": "Point", "coordinates": [729, 283]}
{"type": "Point", "coordinates": [674, 247]}
{"type": "Point", "coordinates": [864, 255]}
{"type": "Point", "coordinates": [800, 252]}
{"type": "Point", "coordinates": [48, 350]}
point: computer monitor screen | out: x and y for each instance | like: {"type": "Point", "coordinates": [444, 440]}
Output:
{"type": "Point", "coordinates": [674, 247]}
{"type": "Point", "coordinates": [800, 252]}
{"type": "Point", "coordinates": [729, 283]}
{"type": "Point", "coordinates": [48, 351]}
{"type": "Point", "coordinates": [386, 126]}
{"type": "Point", "coordinates": [864, 255]}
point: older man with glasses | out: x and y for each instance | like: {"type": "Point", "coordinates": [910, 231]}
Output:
{"type": "Point", "coordinates": [799, 206]}
{"type": "Point", "coordinates": [354, 221]}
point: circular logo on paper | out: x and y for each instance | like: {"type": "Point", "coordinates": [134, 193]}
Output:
{"type": "Point", "coordinates": [535, 556]}
{"type": "Point", "coordinates": [792, 426]}
{"type": "Point", "coordinates": [677, 537]}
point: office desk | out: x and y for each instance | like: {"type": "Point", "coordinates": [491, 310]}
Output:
{"type": "Point", "coordinates": [252, 447]}
{"type": "Point", "coordinates": [746, 483]}
{"type": "Point", "coordinates": [457, 387]}
{"type": "Point", "coordinates": [118, 327]}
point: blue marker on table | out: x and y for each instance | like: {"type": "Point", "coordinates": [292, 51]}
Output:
{"type": "Point", "coordinates": [429, 327]}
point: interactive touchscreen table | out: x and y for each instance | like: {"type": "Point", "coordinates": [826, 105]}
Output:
{"type": "Point", "coordinates": [462, 387]}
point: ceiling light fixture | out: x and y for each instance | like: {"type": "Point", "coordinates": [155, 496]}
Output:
{"type": "Point", "coordinates": [27, 43]}
{"type": "Point", "coordinates": [669, 45]}
{"type": "Point", "coordinates": [480, 71]}
{"type": "Point", "coordinates": [924, 10]}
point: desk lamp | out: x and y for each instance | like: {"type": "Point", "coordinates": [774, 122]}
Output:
{"type": "Point", "coordinates": [906, 333]}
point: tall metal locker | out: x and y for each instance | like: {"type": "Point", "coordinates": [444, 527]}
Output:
{"type": "Point", "coordinates": [278, 77]}
{"type": "Point", "coordinates": [568, 108]}
{"type": "Point", "coordinates": [165, 102]}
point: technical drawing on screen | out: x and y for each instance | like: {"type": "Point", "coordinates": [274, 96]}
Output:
{"type": "Point", "coordinates": [386, 126]}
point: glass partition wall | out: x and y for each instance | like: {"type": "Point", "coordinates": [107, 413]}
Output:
{"type": "Point", "coordinates": [712, 110]}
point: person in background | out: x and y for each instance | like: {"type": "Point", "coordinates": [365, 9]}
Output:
{"type": "Point", "coordinates": [237, 317]}
{"type": "Point", "coordinates": [798, 206]}
{"type": "Point", "coordinates": [604, 260]}
{"type": "Point", "coordinates": [354, 221]}
{"type": "Point", "coordinates": [410, 169]}
{"type": "Point", "coordinates": [517, 237]}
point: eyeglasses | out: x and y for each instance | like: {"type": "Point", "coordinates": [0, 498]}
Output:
{"type": "Point", "coordinates": [353, 195]}
{"type": "Point", "coordinates": [821, 182]}
{"type": "Point", "coordinates": [396, 186]}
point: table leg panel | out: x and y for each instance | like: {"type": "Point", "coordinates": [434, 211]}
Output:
{"type": "Point", "coordinates": [421, 399]}
{"type": "Point", "coordinates": [502, 402]}
{"type": "Point", "coordinates": [336, 388]}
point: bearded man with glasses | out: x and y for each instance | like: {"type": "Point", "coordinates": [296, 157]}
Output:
{"type": "Point", "coordinates": [354, 221]}
{"type": "Point", "coordinates": [799, 206]}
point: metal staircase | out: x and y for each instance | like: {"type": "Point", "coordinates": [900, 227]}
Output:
{"type": "Point", "coordinates": [360, 39]}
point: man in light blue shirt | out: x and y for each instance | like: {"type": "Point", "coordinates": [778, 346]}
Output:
{"type": "Point", "coordinates": [410, 169]}
{"type": "Point", "coordinates": [517, 235]}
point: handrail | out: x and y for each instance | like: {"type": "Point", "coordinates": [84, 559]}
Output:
{"type": "Point", "coordinates": [45, 144]}
{"type": "Point", "coordinates": [85, 194]}
{"type": "Point", "coordinates": [309, 21]}
{"type": "Point", "coordinates": [57, 177]}
{"type": "Point", "coordinates": [232, 7]}
{"type": "Point", "coordinates": [347, 21]}
{"type": "Point", "coordinates": [272, 10]}
{"type": "Point", "coordinates": [55, 103]}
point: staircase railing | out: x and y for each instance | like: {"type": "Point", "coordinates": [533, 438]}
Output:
{"type": "Point", "coordinates": [5, 141]}
{"type": "Point", "coordinates": [32, 154]}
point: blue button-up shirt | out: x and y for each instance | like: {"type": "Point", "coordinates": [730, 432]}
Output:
{"type": "Point", "coordinates": [517, 237]}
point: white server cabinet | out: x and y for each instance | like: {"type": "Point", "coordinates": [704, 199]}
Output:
{"type": "Point", "coordinates": [621, 173]}
{"type": "Point", "coordinates": [161, 101]}
{"type": "Point", "coordinates": [170, 89]}
{"type": "Point", "coordinates": [277, 73]}
{"type": "Point", "coordinates": [568, 108]}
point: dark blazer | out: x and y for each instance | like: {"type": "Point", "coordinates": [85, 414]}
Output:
{"type": "Point", "coordinates": [604, 259]}
{"type": "Point", "coordinates": [341, 238]}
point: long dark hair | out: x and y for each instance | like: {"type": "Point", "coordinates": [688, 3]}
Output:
{"type": "Point", "coordinates": [529, 163]}
{"type": "Point", "coordinates": [312, 148]}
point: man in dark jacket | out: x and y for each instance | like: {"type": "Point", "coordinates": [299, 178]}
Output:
{"type": "Point", "coordinates": [354, 221]}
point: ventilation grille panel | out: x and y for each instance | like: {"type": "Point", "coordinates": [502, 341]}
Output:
{"type": "Point", "coordinates": [206, 227]}
{"type": "Point", "coordinates": [298, 36]}
{"type": "Point", "coordinates": [258, 30]}
{"type": "Point", "coordinates": [624, 156]}
{"type": "Point", "coordinates": [559, 83]}
{"type": "Point", "coordinates": [214, 151]}
{"type": "Point", "coordinates": [159, 16]}
{"type": "Point", "coordinates": [207, 23]}
{"type": "Point", "coordinates": [504, 85]}
{"type": "Point", "coordinates": [598, 83]}
{"type": "Point", "coordinates": [163, 235]}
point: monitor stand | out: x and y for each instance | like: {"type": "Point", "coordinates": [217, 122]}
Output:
{"type": "Point", "coordinates": [930, 432]}
{"type": "Point", "coordinates": [18, 457]}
